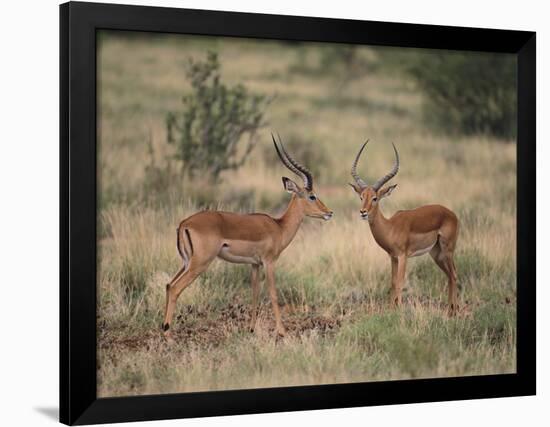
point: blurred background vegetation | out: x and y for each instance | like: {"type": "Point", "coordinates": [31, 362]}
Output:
{"type": "Point", "coordinates": [213, 116]}
{"type": "Point", "coordinates": [184, 124]}
{"type": "Point", "coordinates": [464, 93]}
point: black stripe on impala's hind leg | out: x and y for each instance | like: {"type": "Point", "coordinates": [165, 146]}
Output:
{"type": "Point", "coordinates": [190, 241]}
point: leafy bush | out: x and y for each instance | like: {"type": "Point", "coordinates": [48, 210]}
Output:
{"type": "Point", "coordinates": [467, 92]}
{"type": "Point", "coordinates": [215, 118]}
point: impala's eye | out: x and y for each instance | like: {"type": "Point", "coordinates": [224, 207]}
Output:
{"type": "Point", "coordinates": [312, 197]}
{"type": "Point", "coordinates": [375, 199]}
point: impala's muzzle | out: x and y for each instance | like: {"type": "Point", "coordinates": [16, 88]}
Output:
{"type": "Point", "coordinates": [328, 216]}
{"type": "Point", "coordinates": [364, 214]}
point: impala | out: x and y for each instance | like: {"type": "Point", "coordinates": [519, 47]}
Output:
{"type": "Point", "coordinates": [429, 229]}
{"type": "Point", "coordinates": [256, 239]}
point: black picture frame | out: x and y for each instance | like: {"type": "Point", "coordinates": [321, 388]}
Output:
{"type": "Point", "coordinates": [79, 23]}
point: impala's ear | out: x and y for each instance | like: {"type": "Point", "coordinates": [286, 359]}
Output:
{"type": "Point", "coordinates": [386, 191]}
{"type": "Point", "coordinates": [290, 185]}
{"type": "Point", "coordinates": [355, 188]}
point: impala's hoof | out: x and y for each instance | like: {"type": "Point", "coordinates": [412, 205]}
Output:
{"type": "Point", "coordinates": [167, 333]}
{"type": "Point", "coordinates": [168, 338]}
{"type": "Point", "coordinates": [453, 310]}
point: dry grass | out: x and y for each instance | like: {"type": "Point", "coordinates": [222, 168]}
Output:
{"type": "Point", "coordinates": [333, 279]}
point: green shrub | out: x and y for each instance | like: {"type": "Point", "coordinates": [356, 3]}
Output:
{"type": "Point", "coordinates": [215, 119]}
{"type": "Point", "coordinates": [467, 92]}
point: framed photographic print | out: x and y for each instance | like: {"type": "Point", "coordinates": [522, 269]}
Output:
{"type": "Point", "coordinates": [268, 213]}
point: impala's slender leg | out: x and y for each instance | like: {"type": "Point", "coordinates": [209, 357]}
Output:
{"type": "Point", "coordinates": [166, 325]}
{"type": "Point", "coordinates": [401, 268]}
{"type": "Point", "coordinates": [447, 241]}
{"type": "Point", "coordinates": [173, 291]}
{"type": "Point", "coordinates": [450, 270]}
{"type": "Point", "coordinates": [198, 263]}
{"type": "Point", "coordinates": [439, 259]}
{"type": "Point", "coordinates": [180, 272]}
{"type": "Point", "coordinates": [444, 260]}
{"type": "Point", "coordinates": [453, 293]}
{"type": "Point", "coordinates": [270, 277]}
{"type": "Point", "coordinates": [254, 276]}
{"type": "Point", "coordinates": [393, 277]}
{"type": "Point", "coordinates": [177, 275]}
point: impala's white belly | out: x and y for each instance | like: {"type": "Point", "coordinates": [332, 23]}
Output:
{"type": "Point", "coordinates": [421, 243]}
{"type": "Point", "coordinates": [422, 251]}
{"type": "Point", "coordinates": [235, 257]}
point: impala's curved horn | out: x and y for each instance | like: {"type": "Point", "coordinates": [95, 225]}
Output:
{"type": "Point", "coordinates": [293, 165]}
{"type": "Point", "coordinates": [362, 184]}
{"type": "Point", "coordinates": [378, 184]}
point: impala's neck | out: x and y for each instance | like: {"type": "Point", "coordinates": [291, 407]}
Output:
{"type": "Point", "coordinates": [379, 227]}
{"type": "Point", "coordinates": [291, 220]}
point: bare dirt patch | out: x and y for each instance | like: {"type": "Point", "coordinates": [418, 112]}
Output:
{"type": "Point", "coordinates": [202, 329]}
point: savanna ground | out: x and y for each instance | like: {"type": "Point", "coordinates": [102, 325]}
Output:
{"type": "Point", "coordinates": [333, 279]}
